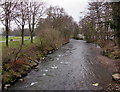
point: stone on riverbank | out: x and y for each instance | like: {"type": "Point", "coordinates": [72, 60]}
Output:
{"type": "Point", "coordinates": [116, 77]}
{"type": "Point", "coordinates": [6, 86]}
{"type": "Point", "coordinates": [21, 80]}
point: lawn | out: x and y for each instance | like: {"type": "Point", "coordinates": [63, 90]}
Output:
{"type": "Point", "coordinates": [2, 38]}
{"type": "Point", "coordinates": [15, 44]}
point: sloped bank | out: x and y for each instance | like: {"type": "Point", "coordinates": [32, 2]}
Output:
{"type": "Point", "coordinates": [112, 65]}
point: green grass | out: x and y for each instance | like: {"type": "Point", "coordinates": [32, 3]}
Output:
{"type": "Point", "coordinates": [16, 44]}
{"type": "Point", "coordinates": [14, 38]}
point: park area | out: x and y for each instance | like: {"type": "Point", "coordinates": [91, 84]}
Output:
{"type": "Point", "coordinates": [13, 40]}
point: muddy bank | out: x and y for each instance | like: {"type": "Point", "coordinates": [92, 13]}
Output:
{"type": "Point", "coordinates": [112, 65]}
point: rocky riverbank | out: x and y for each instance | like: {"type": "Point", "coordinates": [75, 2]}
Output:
{"type": "Point", "coordinates": [112, 65]}
{"type": "Point", "coordinates": [28, 60]}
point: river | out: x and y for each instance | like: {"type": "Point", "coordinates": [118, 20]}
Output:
{"type": "Point", "coordinates": [72, 67]}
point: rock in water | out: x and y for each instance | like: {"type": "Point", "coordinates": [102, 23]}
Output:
{"type": "Point", "coordinates": [95, 84]}
{"type": "Point", "coordinates": [6, 86]}
{"type": "Point", "coordinates": [33, 83]}
{"type": "Point", "coordinates": [21, 80]}
{"type": "Point", "coordinates": [50, 52]}
{"type": "Point", "coordinates": [44, 74]}
{"type": "Point", "coordinates": [36, 69]}
{"type": "Point", "coordinates": [116, 76]}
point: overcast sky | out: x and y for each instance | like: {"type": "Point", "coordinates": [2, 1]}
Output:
{"type": "Point", "coordinates": [72, 7]}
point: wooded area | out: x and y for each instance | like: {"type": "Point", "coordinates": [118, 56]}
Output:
{"type": "Point", "coordinates": [102, 22]}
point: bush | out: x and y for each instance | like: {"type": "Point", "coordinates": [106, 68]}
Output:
{"type": "Point", "coordinates": [51, 38]}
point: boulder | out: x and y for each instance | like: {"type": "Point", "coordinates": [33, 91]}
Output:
{"type": "Point", "coordinates": [116, 77]}
{"type": "Point", "coordinates": [36, 68]}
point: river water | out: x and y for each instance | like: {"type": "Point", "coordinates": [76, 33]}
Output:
{"type": "Point", "coordinates": [72, 67]}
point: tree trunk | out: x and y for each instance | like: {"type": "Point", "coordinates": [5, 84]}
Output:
{"type": "Point", "coordinates": [22, 34]}
{"type": "Point", "coordinates": [7, 32]}
{"type": "Point", "coordinates": [31, 37]}
{"type": "Point", "coordinates": [6, 23]}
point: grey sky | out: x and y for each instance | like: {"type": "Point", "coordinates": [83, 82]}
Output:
{"type": "Point", "coordinates": [72, 7]}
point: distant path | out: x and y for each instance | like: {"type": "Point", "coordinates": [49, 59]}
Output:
{"type": "Point", "coordinates": [13, 40]}
{"type": "Point", "coordinates": [72, 67]}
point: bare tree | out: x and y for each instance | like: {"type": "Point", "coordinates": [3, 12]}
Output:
{"type": "Point", "coordinates": [20, 17]}
{"type": "Point", "coordinates": [6, 16]}
{"type": "Point", "coordinates": [35, 11]}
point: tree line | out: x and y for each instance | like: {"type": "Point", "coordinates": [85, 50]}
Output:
{"type": "Point", "coordinates": [35, 16]}
{"type": "Point", "coordinates": [102, 22]}
{"type": "Point", "coordinates": [22, 14]}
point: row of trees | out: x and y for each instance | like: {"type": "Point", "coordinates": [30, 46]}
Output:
{"type": "Point", "coordinates": [22, 14]}
{"type": "Point", "coordinates": [101, 22]}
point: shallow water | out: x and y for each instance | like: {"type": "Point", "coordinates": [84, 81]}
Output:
{"type": "Point", "coordinates": [72, 67]}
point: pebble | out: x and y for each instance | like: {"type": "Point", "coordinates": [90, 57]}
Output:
{"type": "Point", "coordinates": [54, 67]}
{"type": "Point", "coordinates": [37, 67]}
{"type": "Point", "coordinates": [46, 70]}
{"type": "Point", "coordinates": [43, 58]}
{"type": "Point", "coordinates": [57, 58]}
{"type": "Point", "coordinates": [44, 74]}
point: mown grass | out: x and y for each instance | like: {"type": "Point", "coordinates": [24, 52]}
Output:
{"type": "Point", "coordinates": [2, 38]}
{"type": "Point", "coordinates": [13, 44]}
{"type": "Point", "coordinates": [17, 44]}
